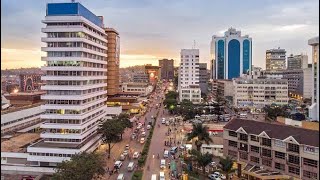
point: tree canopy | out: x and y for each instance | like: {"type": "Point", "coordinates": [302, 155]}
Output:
{"type": "Point", "coordinates": [81, 166]}
{"type": "Point", "coordinates": [202, 159]}
{"type": "Point", "coordinates": [226, 165]}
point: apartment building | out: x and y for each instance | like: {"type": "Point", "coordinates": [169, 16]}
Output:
{"type": "Point", "coordinates": [257, 93]}
{"type": "Point", "coordinates": [271, 150]}
{"type": "Point", "coordinates": [189, 76]}
{"type": "Point", "coordinates": [203, 77]}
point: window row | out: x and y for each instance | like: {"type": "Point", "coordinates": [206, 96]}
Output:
{"type": "Point", "coordinates": [70, 111]}
{"type": "Point", "coordinates": [76, 73]}
{"type": "Point", "coordinates": [76, 83]}
{"type": "Point", "coordinates": [72, 121]}
{"type": "Point", "coordinates": [75, 54]}
{"type": "Point", "coordinates": [74, 92]}
{"type": "Point", "coordinates": [76, 44]}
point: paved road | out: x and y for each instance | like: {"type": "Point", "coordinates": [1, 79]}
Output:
{"type": "Point", "coordinates": [135, 145]}
{"type": "Point", "coordinates": [157, 146]}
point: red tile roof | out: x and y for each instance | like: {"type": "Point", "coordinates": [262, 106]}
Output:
{"type": "Point", "coordinates": [276, 130]}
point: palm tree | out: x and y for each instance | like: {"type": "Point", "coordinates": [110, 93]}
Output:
{"type": "Point", "coordinates": [201, 132]}
{"type": "Point", "coordinates": [110, 131]}
{"type": "Point", "coordinates": [202, 159]}
{"type": "Point", "coordinates": [226, 166]}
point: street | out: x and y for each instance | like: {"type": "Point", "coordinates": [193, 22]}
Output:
{"type": "Point", "coordinates": [135, 146]}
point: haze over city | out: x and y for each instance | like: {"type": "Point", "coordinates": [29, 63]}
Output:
{"type": "Point", "coordinates": [152, 30]}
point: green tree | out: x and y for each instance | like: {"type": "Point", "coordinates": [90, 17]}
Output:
{"type": "Point", "coordinates": [110, 132]}
{"type": "Point", "coordinates": [81, 166]}
{"type": "Point", "coordinates": [201, 133]}
{"type": "Point", "coordinates": [125, 122]}
{"type": "Point", "coordinates": [274, 111]}
{"type": "Point", "coordinates": [171, 95]}
{"type": "Point", "coordinates": [226, 166]}
{"type": "Point", "coordinates": [201, 159]}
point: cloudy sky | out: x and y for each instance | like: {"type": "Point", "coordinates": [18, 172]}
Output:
{"type": "Point", "coordinates": [154, 29]}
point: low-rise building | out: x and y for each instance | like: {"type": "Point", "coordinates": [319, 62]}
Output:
{"type": "Point", "coordinates": [140, 78]}
{"type": "Point", "coordinates": [257, 93]}
{"type": "Point", "coordinates": [143, 88]}
{"type": "Point", "coordinates": [271, 150]}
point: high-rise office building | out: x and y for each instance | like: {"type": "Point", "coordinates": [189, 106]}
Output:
{"type": "Point", "coordinates": [276, 59]}
{"type": "Point", "coordinates": [231, 55]}
{"type": "Point", "coordinates": [113, 59]}
{"type": "Point", "coordinates": [76, 83]}
{"type": "Point", "coordinates": [189, 73]}
{"type": "Point", "coordinates": [167, 71]}
{"type": "Point", "coordinates": [297, 61]}
{"type": "Point", "coordinates": [314, 108]}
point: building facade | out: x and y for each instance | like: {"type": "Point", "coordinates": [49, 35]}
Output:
{"type": "Point", "coordinates": [314, 108]}
{"type": "Point", "coordinates": [143, 88]}
{"type": "Point", "coordinates": [140, 77]}
{"type": "Point", "coordinates": [30, 82]}
{"type": "Point", "coordinates": [113, 59]}
{"type": "Point", "coordinates": [297, 61]}
{"type": "Point", "coordinates": [276, 59]}
{"type": "Point", "coordinates": [257, 93]}
{"type": "Point", "coordinates": [231, 55]}
{"type": "Point", "coordinates": [167, 71]}
{"type": "Point", "coordinates": [76, 95]}
{"type": "Point", "coordinates": [189, 76]}
{"type": "Point", "coordinates": [203, 77]}
{"type": "Point", "coordinates": [264, 153]}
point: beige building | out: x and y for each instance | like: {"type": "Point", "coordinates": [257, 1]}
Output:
{"type": "Point", "coordinates": [113, 61]}
{"type": "Point", "coordinates": [143, 88]}
{"type": "Point", "coordinates": [257, 93]}
{"type": "Point", "coordinates": [272, 151]}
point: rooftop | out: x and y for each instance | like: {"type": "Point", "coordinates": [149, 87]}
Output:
{"type": "Point", "coordinates": [19, 143]}
{"type": "Point", "coordinates": [14, 109]}
{"type": "Point", "coordinates": [301, 135]}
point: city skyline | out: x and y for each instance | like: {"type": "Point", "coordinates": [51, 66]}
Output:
{"type": "Point", "coordinates": [162, 34]}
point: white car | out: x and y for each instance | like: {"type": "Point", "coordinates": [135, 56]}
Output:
{"type": "Point", "coordinates": [125, 152]}
{"type": "Point", "coordinates": [142, 140]}
{"type": "Point", "coordinates": [127, 146]}
{"type": "Point", "coordinates": [162, 163]}
{"type": "Point", "coordinates": [136, 155]}
{"type": "Point", "coordinates": [143, 134]}
{"type": "Point", "coordinates": [118, 164]}
{"type": "Point", "coordinates": [163, 121]}
{"type": "Point", "coordinates": [148, 127]}
{"type": "Point", "coordinates": [213, 177]}
{"type": "Point", "coordinates": [220, 176]}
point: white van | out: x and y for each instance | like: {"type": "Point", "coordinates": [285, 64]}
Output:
{"type": "Point", "coordinates": [166, 154]}
{"type": "Point", "coordinates": [154, 177]}
{"type": "Point", "coordinates": [130, 166]}
{"type": "Point", "coordinates": [162, 163]}
{"type": "Point", "coordinates": [161, 176]}
{"type": "Point", "coordinates": [120, 177]}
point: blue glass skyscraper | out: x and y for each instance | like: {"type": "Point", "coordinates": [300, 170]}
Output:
{"type": "Point", "coordinates": [231, 55]}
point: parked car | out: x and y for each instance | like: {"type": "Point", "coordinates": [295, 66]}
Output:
{"type": "Point", "coordinates": [142, 140]}
{"type": "Point", "coordinates": [143, 134]}
{"type": "Point", "coordinates": [122, 157]}
{"type": "Point", "coordinates": [163, 121]}
{"type": "Point", "coordinates": [148, 127]}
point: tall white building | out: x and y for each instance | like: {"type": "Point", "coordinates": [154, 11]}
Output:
{"type": "Point", "coordinates": [314, 108]}
{"type": "Point", "coordinates": [189, 74]}
{"type": "Point", "coordinates": [76, 82]}
{"type": "Point", "coordinates": [231, 55]}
